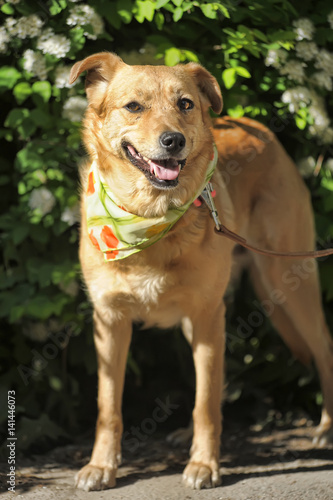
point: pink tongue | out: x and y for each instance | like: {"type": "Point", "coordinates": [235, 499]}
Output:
{"type": "Point", "coordinates": [166, 174]}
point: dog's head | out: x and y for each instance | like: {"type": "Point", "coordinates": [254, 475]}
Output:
{"type": "Point", "coordinates": [148, 128]}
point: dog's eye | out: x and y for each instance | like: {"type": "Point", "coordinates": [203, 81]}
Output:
{"type": "Point", "coordinates": [133, 107]}
{"type": "Point", "coordinates": [185, 104]}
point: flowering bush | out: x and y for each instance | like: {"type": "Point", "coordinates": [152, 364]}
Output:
{"type": "Point", "coordinates": [274, 61]}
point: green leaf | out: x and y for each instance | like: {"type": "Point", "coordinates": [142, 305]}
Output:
{"type": "Point", "coordinates": [327, 183]}
{"type": "Point", "coordinates": [145, 10]}
{"type": "Point", "coordinates": [26, 159]}
{"type": "Point", "coordinates": [57, 6]}
{"type": "Point", "coordinates": [21, 294]}
{"type": "Point", "coordinates": [8, 9]}
{"type": "Point", "coordinates": [112, 16]}
{"type": "Point", "coordinates": [22, 91]}
{"type": "Point", "coordinates": [42, 307]}
{"type": "Point", "coordinates": [20, 232]}
{"type": "Point", "coordinates": [172, 56]}
{"type": "Point", "coordinates": [300, 122]}
{"type": "Point", "coordinates": [260, 35]}
{"type": "Point", "coordinates": [41, 119]}
{"type": "Point", "coordinates": [159, 20]}
{"type": "Point", "coordinates": [282, 36]}
{"type": "Point", "coordinates": [125, 16]}
{"type": "Point", "coordinates": [236, 112]}
{"type": "Point", "coordinates": [16, 117]}
{"type": "Point", "coordinates": [177, 3]}
{"type": "Point", "coordinates": [8, 77]}
{"type": "Point", "coordinates": [26, 128]}
{"type": "Point", "coordinates": [190, 56]}
{"type": "Point", "coordinates": [39, 271]}
{"type": "Point", "coordinates": [178, 14]}
{"type": "Point", "coordinates": [229, 77]}
{"type": "Point", "coordinates": [124, 10]}
{"type": "Point", "coordinates": [43, 89]}
{"type": "Point", "coordinates": [209, 10]}
{"type": "Point", "coordinates": [224, 10]}
{"type": "Point", "coordinates": [161, 3]}
{"type": "Point", "coordinates": [241, 71]}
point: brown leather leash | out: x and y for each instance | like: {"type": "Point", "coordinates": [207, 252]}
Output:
{"type": "Point", "coordinates": [207, 196]}
{"type": "Point", "coordinates": [224, 231]}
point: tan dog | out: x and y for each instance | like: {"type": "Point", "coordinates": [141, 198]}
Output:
{"type": "Point", "coordinates": [147, 130]}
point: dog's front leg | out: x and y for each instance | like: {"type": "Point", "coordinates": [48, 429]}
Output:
{"type": "Point", "coordinates": [202, 470]}
{"type": "Point", "coordinates": [112, 339]}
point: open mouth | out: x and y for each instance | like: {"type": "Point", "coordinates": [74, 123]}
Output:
{"type": "Point", "coordinates": [162, 174]}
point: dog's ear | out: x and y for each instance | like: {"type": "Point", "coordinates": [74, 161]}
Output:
{"type": "Point", "coordinates": [207, 85]}
{"type": "Point", "coordinates": [100, 67]}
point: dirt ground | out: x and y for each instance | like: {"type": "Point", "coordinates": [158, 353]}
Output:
{"type": "Point", "coordinates": [279, 464]}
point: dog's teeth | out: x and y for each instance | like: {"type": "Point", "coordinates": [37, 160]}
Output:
{"type": "Point", "coordinates": [156, 172]}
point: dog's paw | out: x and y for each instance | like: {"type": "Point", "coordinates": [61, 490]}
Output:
{"type": "Point", "coordinates": [198, 475]}
{"type": "Point", "coordinates": [91, 478]}
{"type": "Point", "coordinates": [181, 437]}
{"type": "Point", "coordinates": [323, 436]}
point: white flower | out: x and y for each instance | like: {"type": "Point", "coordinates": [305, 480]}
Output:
{"type": "Point", "coordinates": [62, 77]}
{"type": "Point", "coordinates": [324, 61]}
{"type": "Point", "coordinates": [10, 24]}
{"type": "Point", "coordinates": [306, 50]}
{"type": "Point", "coordinates": [306, 166]}
{"type": "Point", "coordinates": [276, 57]}
{"type": "Point", "coordinates": [4, 39]}
{"type": "Point", "coordinates": [321, 121]}
{"type": "Point", "coordinates": [42, 199]}
{"type": "Point", "coordinates": [294, 70]}
{"type": "Point", "coordinates": [27, 27]}
{"type": "Point", "coordinates": [74, 108]}
{"type": "Point", "coordinates": [71, 215]}
{"type": "Point", "coordinates": [56, 45]}
{"type": "Point", "coordinates": [81, 15]}
{"type": "Point", "coordinates": [296, 98]}
{"type": "Point", "coordinates": [330, 19]}
{"type": "Point", "coordinates": [304, 29]}
{"type": "Point", "coordinates": [323, 80]}
{"type": "Point", "coordinates": [34, 63]}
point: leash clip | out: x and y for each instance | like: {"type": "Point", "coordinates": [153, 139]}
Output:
{"type": "Point", "coordinates": [207, 197]}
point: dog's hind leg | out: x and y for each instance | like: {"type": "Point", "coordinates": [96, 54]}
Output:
{"type": "Point", "coordinates": [270, 301]}
{"type": "Point", "coordinates": [299, 318]}
{"type": "Point", "coordinates": [282, 219]}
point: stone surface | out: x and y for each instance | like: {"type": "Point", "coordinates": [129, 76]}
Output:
{"type": "Point", "coordinates": [281, 464]}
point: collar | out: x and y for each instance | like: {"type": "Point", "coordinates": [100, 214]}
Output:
{"type": "Point", "coordinates": [118, 233]}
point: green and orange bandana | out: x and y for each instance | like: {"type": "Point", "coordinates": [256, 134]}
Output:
{"type": "Point", "coordinates": [118, 233]}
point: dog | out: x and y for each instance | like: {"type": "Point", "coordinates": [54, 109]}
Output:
{"type": "Point", "coordinates": [150, 254]}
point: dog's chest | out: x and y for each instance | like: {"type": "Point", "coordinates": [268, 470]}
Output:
{"type": "Point", "coordinates": [154, 298]}
{"type": "Point", "coordinates": [148, 286]}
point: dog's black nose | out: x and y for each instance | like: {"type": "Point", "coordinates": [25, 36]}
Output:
{"type": "Point", "coordinates": [173, 142]}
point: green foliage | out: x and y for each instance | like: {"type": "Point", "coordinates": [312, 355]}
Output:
{"type": "Point", "coordinates": [47, 354]}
